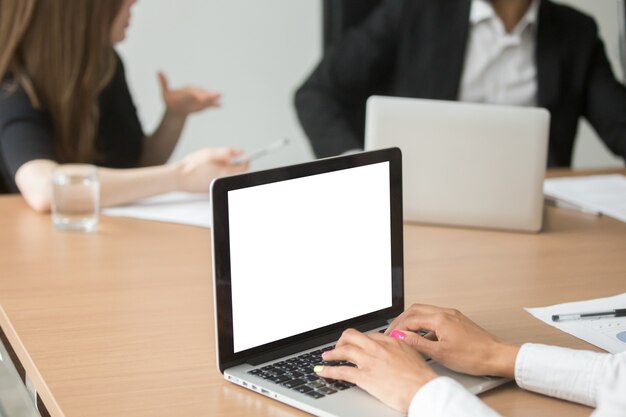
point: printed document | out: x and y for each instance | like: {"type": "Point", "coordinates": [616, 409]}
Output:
{"type": "Point", "coordinates": [606, 333]}
{"type": "Point", "coordinates": [605, 194]}
{"type": "Point", "coordinates": [182, 208]}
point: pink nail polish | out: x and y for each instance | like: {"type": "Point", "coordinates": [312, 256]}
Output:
{"type": "Point", "coordinates": [397, 334]}
{"type": "Point", "coordinates": [326, 353]}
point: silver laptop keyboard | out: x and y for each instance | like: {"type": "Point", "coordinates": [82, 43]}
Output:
{"type": "Point", "coordinates": [297, 374]}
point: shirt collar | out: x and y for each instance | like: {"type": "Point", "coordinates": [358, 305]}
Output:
{"type": "Point", "coordinates": [482, 10]}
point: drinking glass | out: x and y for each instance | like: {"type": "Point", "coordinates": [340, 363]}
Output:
{"type": "Point", "coordinates": [75, 197]}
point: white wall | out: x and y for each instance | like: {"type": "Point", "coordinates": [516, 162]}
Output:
{"type": "Point", "coordinates": [256, 53]}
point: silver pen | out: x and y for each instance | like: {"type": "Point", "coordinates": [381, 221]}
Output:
{"type": "Point", "coordinates": [620, 312]}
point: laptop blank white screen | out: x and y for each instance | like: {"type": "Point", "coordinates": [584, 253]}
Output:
{"type": "Point", "coordinates": [309, 252]}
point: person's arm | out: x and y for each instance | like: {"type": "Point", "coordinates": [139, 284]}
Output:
{"type": "Point", "coordinates": [391, 369]}
{"type": "Point", "coordinates": [179, 104]}
{"type": "Point", "coordinates": [573, 375]}
{"type": "Point", "coordinates": [118, 186]}
{"type": "Point", "coordinates": [605, 105]}
{"type": "Point", "coordinates": [611, 398]}
{"type": "Point", "coordinates": [334, 95]}
{"type": "Point", "coordinates": [393, 372]}
{"type": "Point", "coordinates": [459, 344]}
{"type": "Point", "coordinates": [25, 138]}
{"type": "Point", "coordinates": [444, 397]}
{"type": "Point", "coordinates": [590, 378]}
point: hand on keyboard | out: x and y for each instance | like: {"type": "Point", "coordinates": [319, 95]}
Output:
{"type": "Point", "coordinates": [387, 368]}
{"type": "Point", "coordinates": [455, 341]}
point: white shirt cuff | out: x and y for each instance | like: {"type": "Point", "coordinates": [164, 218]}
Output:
{"type": "Point", "coordinates": [569, 374]}
{"type": "Point", "coordinates": [444, 396]}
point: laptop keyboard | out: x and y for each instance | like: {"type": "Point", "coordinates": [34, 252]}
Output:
{"type": "Point", "coordinates": [297, 374]}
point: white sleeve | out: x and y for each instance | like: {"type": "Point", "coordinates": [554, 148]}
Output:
{"type": "Point", "coordinates": [576, 375]}
{"type": "Point", "coordinates": [573, 375]}
{"type": "Point", "coordinates": [444, 396]}
{"type": "Point", "coordinates": [612, 393]}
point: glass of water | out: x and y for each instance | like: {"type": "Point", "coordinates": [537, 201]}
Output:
{"type": "Point", "coordinates": [75, 197]}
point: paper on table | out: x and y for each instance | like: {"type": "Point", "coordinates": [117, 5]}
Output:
{"type": "Point", "coordinates": [182, 208]}
{"type": "Point", "coordinates": [603, 193]}
{"type": "Point", "coordinates": [606, 333]}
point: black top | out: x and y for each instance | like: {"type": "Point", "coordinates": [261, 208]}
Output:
{"type": "Point", "coordinates": [416, 48]}
{"type": "Point", "coordinates": [26, 133]}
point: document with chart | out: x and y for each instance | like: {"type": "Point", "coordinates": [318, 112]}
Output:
{"type": "Point", "coordinates": [608, 333]}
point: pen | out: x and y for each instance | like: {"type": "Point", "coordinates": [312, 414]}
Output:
{"type": "Point", "coordinates": [620, 312]}
{"type": "Point", "coordinates": [567, 205]}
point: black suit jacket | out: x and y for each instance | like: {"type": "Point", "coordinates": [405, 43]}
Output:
{"type": "Point", "coordinates": [416, 48]}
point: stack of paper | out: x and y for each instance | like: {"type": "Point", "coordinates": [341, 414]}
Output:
{"type": "Point", "coordinates": [181, 208]}
{"type": "Point", "coordinates": [604, 194]}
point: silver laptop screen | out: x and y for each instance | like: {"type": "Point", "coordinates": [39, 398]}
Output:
{"type": "Point", "coordinates": [309, 252]}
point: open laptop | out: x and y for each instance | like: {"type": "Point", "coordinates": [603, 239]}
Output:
{"type": "Point", "coordinates": [301, 253]}
{"type": "Point", "coordinates": [465, 164]}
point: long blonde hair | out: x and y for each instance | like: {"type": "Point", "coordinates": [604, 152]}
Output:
{"type": "Point", "coordinates": [60, 53]}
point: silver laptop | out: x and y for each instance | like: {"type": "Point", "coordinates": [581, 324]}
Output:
{"type": "Point", "coordinates": [301, 253]}
{"type": "Point", "coordinates": [465, 164]}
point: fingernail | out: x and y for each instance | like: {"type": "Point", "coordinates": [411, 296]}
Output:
{"type": "Point", "coordinates": [325, 353]}
{"type": "Point", "coordinates": [397, 334]}
{"type": "Point", "coordinates": [318, 369]}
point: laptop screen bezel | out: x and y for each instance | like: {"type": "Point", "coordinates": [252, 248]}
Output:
{"type": "Point", "coordinates": [221, 252]}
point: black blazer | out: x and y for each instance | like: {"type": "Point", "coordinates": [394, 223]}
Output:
{"type": "Point", "coordinates": [416, 48]}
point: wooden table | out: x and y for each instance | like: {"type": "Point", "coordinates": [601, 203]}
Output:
{"type": "Point", "coordinates": [120, 322]}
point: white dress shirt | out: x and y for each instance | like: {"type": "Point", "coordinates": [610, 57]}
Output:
{"type": "Point", "coordinates": [499, 66]}
{"type": "Point", "coordinates": [590, 378]}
